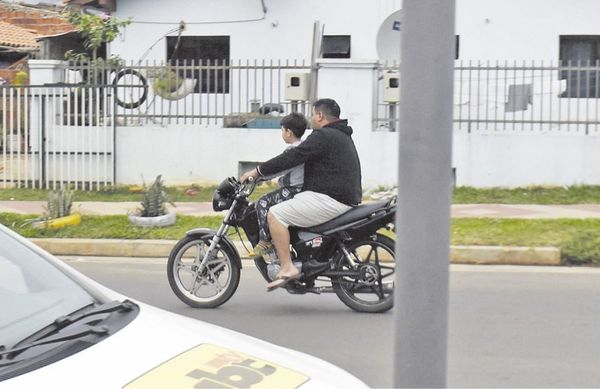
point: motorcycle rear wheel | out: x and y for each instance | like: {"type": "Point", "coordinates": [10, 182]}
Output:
{"type": "Point", "coordinates": [215, 285]}
{"type": "Point", "coordinates": [372, 291]}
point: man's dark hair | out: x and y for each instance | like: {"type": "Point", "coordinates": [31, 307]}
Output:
{"type": "Point", "coordinates": [295, 122]}
{"type": "Point", "coordinates": [328, 107]}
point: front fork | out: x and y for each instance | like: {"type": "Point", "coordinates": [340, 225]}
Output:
{"type": "Point", "coordinates": [222, 231]}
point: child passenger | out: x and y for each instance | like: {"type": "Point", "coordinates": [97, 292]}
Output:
{"type": "Point", "coordinates": [293, 127]}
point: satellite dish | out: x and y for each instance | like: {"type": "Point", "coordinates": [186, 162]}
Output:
{"type": "Point", "coordinates": [389, 37]}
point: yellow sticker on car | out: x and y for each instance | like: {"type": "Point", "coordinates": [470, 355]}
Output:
{"type": "Point", "coordinates": [211, 366]}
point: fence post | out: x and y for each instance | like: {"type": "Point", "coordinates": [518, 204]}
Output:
{"type": "Point", "coordinates": [43, 142]}
{"type": "Point", "coordinates": [114, 135]}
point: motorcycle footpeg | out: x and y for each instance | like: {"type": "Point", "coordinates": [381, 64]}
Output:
{"type": "Point", "coordinates": [313, 290]}
{"type": "Point", "coordinates": [294, 287]}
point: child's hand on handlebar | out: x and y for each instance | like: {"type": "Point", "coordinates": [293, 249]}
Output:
{"type": "Point", "coordinates": [249, 176]}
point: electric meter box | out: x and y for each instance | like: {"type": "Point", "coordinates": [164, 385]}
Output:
{"type": "Point", "coordinates": [391, 87]}
{"type": "Point", "coordinates": [297, 86]}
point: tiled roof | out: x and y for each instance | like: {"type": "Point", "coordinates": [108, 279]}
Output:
{"type": "Point", "coordinates": [109, 5]}
{"type": "Point", "coordinates": [40, 21]}
{"type": "Point", "coordinates": [15, 36]}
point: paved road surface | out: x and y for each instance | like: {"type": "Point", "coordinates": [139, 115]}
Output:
{"type": "Point", "coordinates": [509, 326]}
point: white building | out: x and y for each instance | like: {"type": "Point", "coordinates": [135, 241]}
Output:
{"type": "Point", "coordinates": [550, 138]}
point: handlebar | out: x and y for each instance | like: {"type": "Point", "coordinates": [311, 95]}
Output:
{"type": "Point", "coordinates": [248, 186]}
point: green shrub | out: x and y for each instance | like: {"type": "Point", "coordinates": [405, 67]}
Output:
{"type": "Point", "coordinates": [59, 204]}
{"type": "Point", "coordinates": [166, 82]}
{"type": "Point", "coordinates": [155, 199]}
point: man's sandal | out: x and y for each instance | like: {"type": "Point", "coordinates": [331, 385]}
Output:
{"type": "Point", "coordinates": [280, 281]}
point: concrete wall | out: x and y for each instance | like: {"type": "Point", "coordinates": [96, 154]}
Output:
{"type": "Point", "coordinates": [185, 154]}
{"type": "Point", "coordinates": [487, 160]}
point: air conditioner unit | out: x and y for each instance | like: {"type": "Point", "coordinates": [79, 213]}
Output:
{"type": "Point", "coordinates": [391, 87]}
{"type": "Point", "coordinates": [297, 86]}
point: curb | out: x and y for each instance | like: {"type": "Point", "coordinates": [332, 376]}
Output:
{"type": "Point", "coordinates": [480, 255]}
{"type": "Point", "coordinates": [505, 255]}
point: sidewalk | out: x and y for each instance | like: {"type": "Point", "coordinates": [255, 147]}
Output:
{"type": "Point", "coordinates": [517, 211]}
{"type": "Point", "coordinates": [459, 254]}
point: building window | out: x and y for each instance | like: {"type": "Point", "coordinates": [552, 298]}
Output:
{"type": "Point", "coordinates": [335, 46]}
{"type": "Point", "coordinates": [211, 50]}
{"type": "Point", "coordinates": [579, 57]}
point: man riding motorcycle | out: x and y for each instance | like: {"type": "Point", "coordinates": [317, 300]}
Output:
{"type": "Point", "coordinates": [332, 182]}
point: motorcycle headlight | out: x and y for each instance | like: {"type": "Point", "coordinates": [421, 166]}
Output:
{"type": "Point", "coordinates": [228, 186]}
{"type": "Point", "coordinates": [223, 196]}
{"type": "Point", "coordinates": [221, 202]}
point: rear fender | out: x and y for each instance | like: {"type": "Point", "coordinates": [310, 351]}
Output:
{"type": "Point", "coordinates": [208, 233]}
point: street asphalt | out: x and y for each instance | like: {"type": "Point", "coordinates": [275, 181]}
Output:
{"type": "Point", "coordinates": [509, 326]}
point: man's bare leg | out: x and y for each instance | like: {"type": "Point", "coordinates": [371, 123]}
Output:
{"type": "Point", "coordinates": [280, 236]}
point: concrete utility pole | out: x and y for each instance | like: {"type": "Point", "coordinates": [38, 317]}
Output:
{"type": "Point", "coordinates": [425, 186]}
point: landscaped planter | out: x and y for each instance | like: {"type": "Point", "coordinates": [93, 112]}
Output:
{"type": "Point", "coordinates": [60, 222]}
{"type": "Point", "coordinates": [152, 221]}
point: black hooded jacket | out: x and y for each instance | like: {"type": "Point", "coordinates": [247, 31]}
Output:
{"type": "Point", "coordinates": [331, 164]}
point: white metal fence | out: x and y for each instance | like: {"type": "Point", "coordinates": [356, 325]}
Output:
{"type": "Point", "coordinates": [232, 93]}
{"type": "Point", "coordinates": [57, 135]}
{"type": "Point", "coordinates": [534, 96]}
{"type": "Point", "coordinates": [65, 134]}
{"type": "Point", "coordinates": [489, 96]}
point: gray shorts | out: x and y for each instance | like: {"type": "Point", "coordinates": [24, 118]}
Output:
{"type": "Point", "coordinates": [308, 209]}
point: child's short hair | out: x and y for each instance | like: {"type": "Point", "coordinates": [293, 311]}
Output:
{"type": "Point", "coordinates": [295, 122]}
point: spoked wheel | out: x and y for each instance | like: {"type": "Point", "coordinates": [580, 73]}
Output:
{"type": "Point", "coordinates": [209, 288]}
{"type": "Point", "coordinates": [372, 289]}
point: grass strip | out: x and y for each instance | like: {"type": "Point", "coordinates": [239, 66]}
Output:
{"type": "Point", "coordinates": [122, 193]}
{"type": "Point", "coordinates": [109, 227]}
{"type": "Point", "coordinates": [578, 239]}
{"type": "Point", "coordinates": [584, 194]}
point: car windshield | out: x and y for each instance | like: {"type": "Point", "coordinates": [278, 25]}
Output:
{"type": "Point", "coordinates": [33, 292]}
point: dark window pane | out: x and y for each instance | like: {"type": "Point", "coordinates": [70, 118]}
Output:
{"type": "Point", "coordinates": [210, 52]}
{"type": "Point", "coordinates": [577, 54]}
{"type": "Point", "coordinates": [336, 46]}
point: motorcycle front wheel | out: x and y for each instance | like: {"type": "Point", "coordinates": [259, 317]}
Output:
{"type": "Point", "coordinates": [209, 288]}
{"type": "Point", "coordinates": [372, 288]}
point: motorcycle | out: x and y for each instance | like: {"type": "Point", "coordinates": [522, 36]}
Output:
{"type": "Point", "coordinates": [350, 255]}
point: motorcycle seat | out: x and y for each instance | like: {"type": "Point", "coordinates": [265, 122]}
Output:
{"type": "Point", "coordinates": [357, 213]}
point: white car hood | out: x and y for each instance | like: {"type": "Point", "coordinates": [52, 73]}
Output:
{"type": "Point", "coordinates": [160, 348]}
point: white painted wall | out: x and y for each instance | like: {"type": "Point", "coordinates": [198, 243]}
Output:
{"type": "Point", "coordinates": [521, 29]}
{"type": "Point", "coordinates": [481, 160]}
{"type": "Point", "coordinates": [488, 29]}
{"type": "Point", "coordinates": [286, 31]}
{"type": "Point", "coordinates": [511, 160]}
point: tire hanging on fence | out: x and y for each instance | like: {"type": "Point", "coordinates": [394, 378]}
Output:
{"type": "Point", "coordinates": [144, 86]}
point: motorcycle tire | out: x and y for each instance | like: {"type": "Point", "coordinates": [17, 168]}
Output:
{"type": "Point", "coordinates": [367, 292]}
{"type": "Point", "coordinates": [183, 277]}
